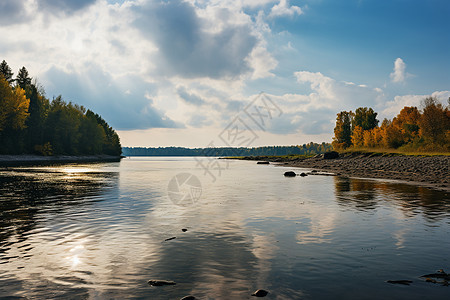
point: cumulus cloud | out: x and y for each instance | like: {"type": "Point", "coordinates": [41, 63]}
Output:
{"type": "Point", "coordinates": [399, 73]}
{"type": "Point", "coordinates": [186, 46]}
{"type": "Point", "coordinates": [189, 97]}
{"type": "Point", "coordinates": [12, 12]}
{"type": "Point", "coordinates": [124, 102]}
{"type": "Point", "coordinates": [64, 6]}
{"type": "Point", "coordinates": [285, 9]}
{"type": "Point", "coordinates": [392, 108]}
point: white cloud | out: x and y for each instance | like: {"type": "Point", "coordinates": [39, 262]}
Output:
{"type": "Point", "coordinates": [399, 73]}
{"type": "Point", "coordinates": [285, 9]}
{"type": "Point", "coordinates": [393, 108]}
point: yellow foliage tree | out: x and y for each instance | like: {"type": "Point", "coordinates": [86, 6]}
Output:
{"type": "Point", "coordinates": [369, 139]}
{"type": "Point", "coordinates": [358, 136]}
{"type": "Point", "coordinates": [13, 106]}
{"type": "Point", "coordinates": [5, 95]}
{"type": "Point", "coordinates": [19, 111]}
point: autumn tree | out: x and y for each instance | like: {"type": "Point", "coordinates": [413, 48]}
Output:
{"type": "Point", "coordinates": [358, 136]}
{"type": "Point", "coordinates": [6, 71]}
{"type": "Point", "coordinates": [407, 122]}
{"type": "Point", "coordinates": [14, 106]}
{"type": "Point", "coordinates": [434, 122]}
{"type": "Point", "coordinates": [13, 114]}
{"type": "Point", "coordinates": [343, 131]}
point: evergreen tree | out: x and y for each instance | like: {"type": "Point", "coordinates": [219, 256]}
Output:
{"type": "Point", "coordinates": [6, 71]}
{"type": "Point", "coordinates": [23, 79]}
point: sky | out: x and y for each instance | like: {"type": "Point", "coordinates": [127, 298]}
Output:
{"type": "Point", "coordinates": [197, 73]}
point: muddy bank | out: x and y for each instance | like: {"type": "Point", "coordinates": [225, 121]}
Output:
{"type": "Point", "coordinates": [26, 160]}
{"type": "Point", "coordinates": [432, 171]}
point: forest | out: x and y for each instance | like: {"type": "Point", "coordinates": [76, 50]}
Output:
{"type": "Point", "coordinates": [310, 148]}
{"type": "Point", "coordinates": [32, 124]}
{"type": "Point", "coordinates": [413, 129]}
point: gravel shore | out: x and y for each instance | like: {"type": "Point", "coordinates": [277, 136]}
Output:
{"type": "Point", "coordinates": [431, 171]}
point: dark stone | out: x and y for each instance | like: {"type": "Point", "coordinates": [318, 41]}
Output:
{"type": "Point", "coordinates": [172, 238]}
{"type": "Point", "coordinates": [188, 298]}
{"type": "Point", "coordinates": [260, 293]}
{"type": "Point", "coordinates": [184, 229]}
{"type": "Point", "coordinates": [404, 282]}
{"type": "Point", "coordinates": [303, 174]}
{"type": "Point", "coordinates": [290, 174]}
{"type": "Point", "coordinates": [330, 155]}
{"type": "Point", "coordinates": [161, 282]}
{"type": "Point", "coordinates": [262, 163]}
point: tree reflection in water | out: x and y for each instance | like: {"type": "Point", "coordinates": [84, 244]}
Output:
{"type": "Point", "coordinates": [363, 194]}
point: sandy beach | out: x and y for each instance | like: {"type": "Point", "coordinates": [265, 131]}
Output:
{"type": "Point", "coordinates": [431, 171]}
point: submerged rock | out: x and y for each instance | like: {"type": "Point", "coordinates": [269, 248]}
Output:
{"type": "Point", "coordinates": [260, 293]}
{"type": "Point", "coordinates": [404, 282]}
{"type": "Point", "coordinates": [439, 274]}
{"type": "Point", "coordinates": [290, 174]}
{"type": "Point", "coordinates": [303, 174]}
{"type": "Point", "coordinates": [161, 282]}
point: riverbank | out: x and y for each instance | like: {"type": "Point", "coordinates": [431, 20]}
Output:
{"type": "Point", "coordinates": [21, 160]}
{"type": "Point", "coordinates": [431, 171]}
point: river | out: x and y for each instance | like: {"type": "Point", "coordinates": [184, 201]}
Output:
{"type": "Point", "coordinates": [102, 230]}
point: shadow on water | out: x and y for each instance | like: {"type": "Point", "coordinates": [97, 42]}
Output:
{"type": "Point", "coordinates": [412, 200]}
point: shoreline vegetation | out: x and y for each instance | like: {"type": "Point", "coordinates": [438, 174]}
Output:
{"type": "Point", "coordinates": [430, 170]}
{"type": "Point", "coordinates": [31, 124]}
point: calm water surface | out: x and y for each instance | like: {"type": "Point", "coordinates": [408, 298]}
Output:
{"type": "Point", "coordinates": [97, 231]}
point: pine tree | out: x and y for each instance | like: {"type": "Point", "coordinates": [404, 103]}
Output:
{"type": "Point", "coordinates": [23, 79]}
{"type": "Point", "coordinates": [6, 71]}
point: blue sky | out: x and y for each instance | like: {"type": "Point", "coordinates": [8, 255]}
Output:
{"type": "Point", "coordinates": [178, 72]}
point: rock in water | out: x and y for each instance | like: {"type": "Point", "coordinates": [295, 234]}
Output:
{"type": "Point", "coordinates": [169, 239]}
{"type": "Point", "coordinates": [330, 155]}
{"type": "Point", "coordinates": [260, 293]}
{"type": "Point", "coordinates": [161, 282]}
{"type": "Point", "coordinates": [404, 282]}
{"type": "Point", "coordinates": [289, 174]}
{"type": "Point", "coordinates": [262, 163]}
{"type": "Point", "coordinates": [188, 298]}
{"type": "Point", "coordinates": [184, 229]}
{"type": "Point", "coordinates": [303, 174]}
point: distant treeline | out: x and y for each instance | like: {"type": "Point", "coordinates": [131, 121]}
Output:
{"type": "Point", "coordinates": [32, 124]}
{"type": "Point", "coordinates": [311, 148]}
{"type": "Point", "coordinates": [427, 129]}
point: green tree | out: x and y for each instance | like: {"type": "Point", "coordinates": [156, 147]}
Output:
{"type": "Point", "coordinates": [365, 117]}
{"type": "Point", "coordinates": [342, 131]}
{"type": "Point", "coordinates": [6, 71]}
{"type": "Point", "coordinates": [62, 126]}
{"type": "Point", "coordinates": [23, 79]}
{"type": "Point", "coordinates": [39, 107]}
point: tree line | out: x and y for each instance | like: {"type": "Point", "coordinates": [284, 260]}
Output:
{"type": "Point", "coordinates": [305, 149]}
{"type": "Point", "coordinates": [32, 124]}
{"type": "Point", "coordinates": [427, 129]}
